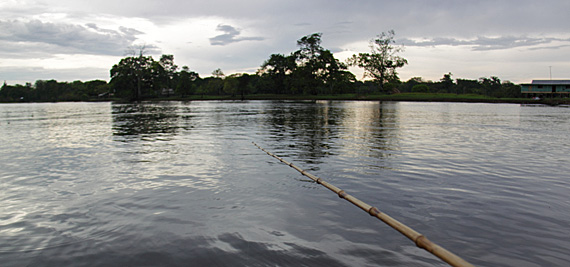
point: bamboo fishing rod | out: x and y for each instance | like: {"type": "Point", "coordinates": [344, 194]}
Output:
{"type": "Point", "coordinates": [420, 240]}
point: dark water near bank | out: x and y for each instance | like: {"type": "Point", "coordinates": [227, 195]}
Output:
{"type": "Point", "coordinates": [180, 184]}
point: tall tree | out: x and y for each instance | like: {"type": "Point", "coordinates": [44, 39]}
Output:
{"type": "Point", "coordinates": [218, 73]}
{"type": "Point", "coordinates": [309, 47]}
{"type": "Point", "coordinates": [131, 76]}
{"type": "Point", "coordinates": [447, 83]}
{"type": "Point", "coordinates": [139, 75]}
{"type": "Point", "coordinates": [305, 76]}
{"type": "Point", "coordinates": [185, 82]}
{"type": "Point", "coordinates": [382, 61]}
{"type": "Point", "coordinates": [317, 67]}
{"type": "Point", "coordinates": [169, 69]}
{"type": "Point", "coordinates": [311, 69]}
{"type": "Point", "coordinates": [278, 69]}
{"type": "Point", "coordinates": [332, 72]}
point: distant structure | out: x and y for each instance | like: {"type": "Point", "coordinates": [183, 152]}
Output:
{"type": "Point", "coordinates": [546, 88]}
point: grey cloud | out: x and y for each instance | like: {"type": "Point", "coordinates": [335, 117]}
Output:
{"type": "Point", "coordinates": [231, 35]}
{"type": "Point", "coordinates": [19, 50]}
{"type": "Point", "coordinates": [68, 38]}
{"type": "Point", "coordinates": [485, 43]}
{"type": "Point", "coordinates": [506, 42]}
{"type": "Point", "coordinates": [129, 31]}
{"type": "Point", "coordinates": [551, 47]}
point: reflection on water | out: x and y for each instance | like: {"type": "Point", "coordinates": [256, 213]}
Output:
{"type": "Point", "coordinates": [312, 134]}
{"type": "Point", "coordinates": [144, 119]}
{"type": "Point", "coordinates": [179, 183]}
{"type": "Point", "coordinates": [317, 127]}
{"type": "Point", "coordinates": [371, 133]}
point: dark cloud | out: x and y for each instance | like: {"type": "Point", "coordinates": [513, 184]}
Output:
{"type": "Point", "coordinates": [484, 43]}
{"type": "Point", "coordinates": [231, 35]}
{"type": "Point", "coordinates": [68, 38]}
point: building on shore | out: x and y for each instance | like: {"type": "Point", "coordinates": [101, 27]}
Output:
{"type": "Point", "coordinates": [546, 88]}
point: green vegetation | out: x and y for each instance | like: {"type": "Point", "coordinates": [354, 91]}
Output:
{"type": "Point", "coordinates": [311, 72]}
{"type": "Point", "coordinates": [382, 61]}
{"type": "Point", "coordinates": [53, 90]}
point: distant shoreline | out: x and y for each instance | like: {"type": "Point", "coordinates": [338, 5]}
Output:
{"type": "Point", "coordinates": [412, 97]}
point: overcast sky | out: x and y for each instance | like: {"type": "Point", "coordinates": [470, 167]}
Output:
{"type": "Point", "coordinates": [66, 40]}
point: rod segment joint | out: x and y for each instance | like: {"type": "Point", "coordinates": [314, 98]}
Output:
{"type": "Point", "coordinates": [373, 211]}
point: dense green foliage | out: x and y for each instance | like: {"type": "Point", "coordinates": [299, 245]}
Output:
{"type": "Point", "coordinates": [311, 70]}
{"type": "Point", "coordinates": [54, 91]}
{"type": "Point", "coordinates": [140, 76]}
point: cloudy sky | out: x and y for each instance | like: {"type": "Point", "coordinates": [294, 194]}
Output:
{"type": "Point", "coordinates": [66, 40]}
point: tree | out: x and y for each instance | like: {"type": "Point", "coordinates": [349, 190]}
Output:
{"type": "Point", "coordinates": [278, 69]}
{"type": "Point", "coordinates": [231, 84]}
{"type": "Point", "coordinates": [218, 73]}
{"type": "Point", "coordinates": [309, 47]}
{"type": "Point", "coordinates": [466, 86]}
{"type": "Point", "coordinates": [211, 86]}
{"type": "Point", "coordinates": [167, 70]}
{"type": "Point", "coordinates": [311, 69]}
{"type": "Point", "coordinates": [137, 76]}
{"type": "Point", "coordinates": [420, 88]}
{"type": "Point", "coordinates": [244, 84]}
{"type": "Point", "coordinates": [490, 85]}
{"type": "Point", "coordinates": [185, 84]}
{"type": "Point", "coordinates": [509, 89]}
{"type": "Point", "coordinates": [12, 93]}
{"type": "Point", "coordinates": [306, 75]}
{"type": "Point", "coordinates": [382, 61]}
{"type": "Point", "coordinates": [447, 83]}
{"type": "Point", "coordinates": [96, 87]}
{"type": "Point", "coordinates": [51, 90]}
{"type": "Point", "coordinates": [131, 76]}
{"type": "Point", "coordinates": [136, 67]}
{"type": "Point", "coordinates": [332, 72]}
{"type": "Point", "coordinates": [409, 84]}
{"type": "Point", "coordinates": [317, 67]}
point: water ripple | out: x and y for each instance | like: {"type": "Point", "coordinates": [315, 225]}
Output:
{"type": "Point", "coordinates": [173, 183]}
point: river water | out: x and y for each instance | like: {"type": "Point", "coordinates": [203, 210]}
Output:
{"type": "Point", "coordinates": [181, 184]}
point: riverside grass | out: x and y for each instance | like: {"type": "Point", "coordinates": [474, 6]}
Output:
{"type": "Point", "coordinates": [420, 240]}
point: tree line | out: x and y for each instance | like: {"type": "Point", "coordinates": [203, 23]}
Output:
{"type": "Point", "coordinates": [52, 90]}
{"type": "Point", "coordinates": [310, 70]}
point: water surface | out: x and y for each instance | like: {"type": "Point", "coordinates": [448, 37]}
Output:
{"type": "Point", "coordinates": [180, 183]}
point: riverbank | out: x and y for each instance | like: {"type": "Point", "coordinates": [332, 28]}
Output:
{"type": "Point", "coordinates": [412, 97]}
